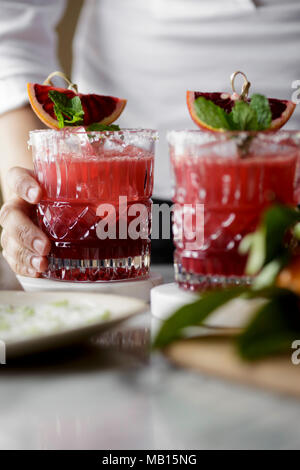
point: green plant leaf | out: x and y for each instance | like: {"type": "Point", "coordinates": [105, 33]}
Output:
{"type": "Point", "coordinates": [194, 314]}
{"type": "Point", "coordinates": [266, 244]}
{"type": "Point", "coordinates": [68, 111]}
{"type": "Point", "coordinates": [212, 114]}
{"type": "Point", "coordinates": [244, 117]}
{"type": "Point", "coordinates": [269, 272]}
{"type": "Point", "coordinates": [255, 245]}
{"type": "Point", "coordinates": [296, 231]}
{"type": "Point", "coordinates": [273, 328]}
{"type": "Point", "coordinates": [277, 220]}
{"type": "Point", "coordinates": [261, 105]}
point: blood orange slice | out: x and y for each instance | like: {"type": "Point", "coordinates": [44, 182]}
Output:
{"type": "Point", "coordinates": [98, 109]}
{"type": "Point", "coordinates": [281, 110]}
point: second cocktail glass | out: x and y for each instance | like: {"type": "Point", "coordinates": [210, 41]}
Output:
{"type": "Point", "coordinates": [222, 184]}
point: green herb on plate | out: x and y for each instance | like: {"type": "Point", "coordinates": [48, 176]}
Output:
{"type": "Point", "coordinates": [106, 315]}
{"type": "Point", "coordinates": [60, 303]}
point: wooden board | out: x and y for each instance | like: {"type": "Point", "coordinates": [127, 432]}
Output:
{"type": "Point", "coordinates": [216, 356]}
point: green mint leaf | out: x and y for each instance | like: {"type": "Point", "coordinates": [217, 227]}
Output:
{"type": "Point", "coordinates": [103, 127]}
{"type": "Point", "coordinates": [255, 116]}
{"type": "Point", "coordinates": [106, 315]}
{"type": "Point", "coordinates": [232, 123]}
{"type": "Point", "coordinates": [76, 112]}
{"type": "Point", "coordinates": [262, 107]}
{"type": "Point", "coordinates": [244, 117]}
{"type": "Point", "coordinates": [68, 111]}
{"type": "Point", "coordinates": [59, 116]}
{"type": "Point", "coordinates": [212, 114]}
{"type": "Point", "coordinates": [60, 303]}
{"type": "Point", "coordinates": [76, 105]}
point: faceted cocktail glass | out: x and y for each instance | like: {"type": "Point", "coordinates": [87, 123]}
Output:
{"type": "Point", "coordinates": [94, 185]}
{"type": "Point", "coordinates": [222, 184]}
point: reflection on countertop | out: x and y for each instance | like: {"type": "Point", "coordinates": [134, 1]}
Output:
{"type": "Point", "coordinates": [112, 393]}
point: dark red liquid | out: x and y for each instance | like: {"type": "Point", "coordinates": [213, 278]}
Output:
{"type": "Point", "coordinates": [74, 188]}
{"type": "Point", "coordinates": [234, 192]}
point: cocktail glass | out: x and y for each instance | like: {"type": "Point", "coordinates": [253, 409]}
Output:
{"type": "Point", "coordinates": [96, 206]}
{"type": "Point", "coordinates": [222, 184]}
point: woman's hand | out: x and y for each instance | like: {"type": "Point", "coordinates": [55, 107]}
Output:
{"type": "Point", "coordinates": [25, 246]}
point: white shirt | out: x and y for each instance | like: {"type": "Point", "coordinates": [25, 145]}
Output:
{"type": "Point", "coordinates": [151, 52]}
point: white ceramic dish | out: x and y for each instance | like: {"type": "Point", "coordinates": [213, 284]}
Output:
{"type": "Point", "coordinates": [120, 309]}
{"type": "Point", "coordinates": [140, 289]}
{"type": "Point", "coordinates": [167, 298]}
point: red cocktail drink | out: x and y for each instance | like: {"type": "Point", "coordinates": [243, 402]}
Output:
{"type": "Point", "coordinates": [96, 206]}
{"type": "Point", "coordinates": [231, 179]}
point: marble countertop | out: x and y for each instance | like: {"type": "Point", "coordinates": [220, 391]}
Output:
{"type": "Point", "coordinates": [111, 394]}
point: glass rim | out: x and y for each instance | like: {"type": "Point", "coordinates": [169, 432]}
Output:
{"type": "Point", "coordinates": [203, 139]}
{"type": "Point", "coordinates": [147, 132]}
{"type": "Point", "coordinates": [219, 135]}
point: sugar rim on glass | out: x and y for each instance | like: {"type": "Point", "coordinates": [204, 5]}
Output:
{"type": "Point", "coordinates": [124, 134]}
{"type": "Point", "coordinates": [204, 139]}
{"type": "Point", "coordinates": [198, 136]}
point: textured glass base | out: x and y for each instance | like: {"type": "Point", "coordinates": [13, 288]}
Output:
{"type": "Point", "coordinates": [95, 270]}
{"type": "Point", "coordinates": [199, 282]}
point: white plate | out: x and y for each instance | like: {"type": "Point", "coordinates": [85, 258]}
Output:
{"type": "Point", "coordinates": [120, 308]}
{"type": "Point", "coordinates": [166, 299]}
{"type": "Point", "coordinates": [140, 289]}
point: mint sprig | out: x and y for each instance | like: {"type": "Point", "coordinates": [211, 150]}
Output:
{"type": "Point", "coordinates": [245, 116]}
{"type": "Point", "coordinates": [68, 111]}
{"type": "Point", "coordinates": [261, 106]}
{"type": "Point", "coordinates": [212, 114]}
{"type": "Point", "coordinates": [103, 127]}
